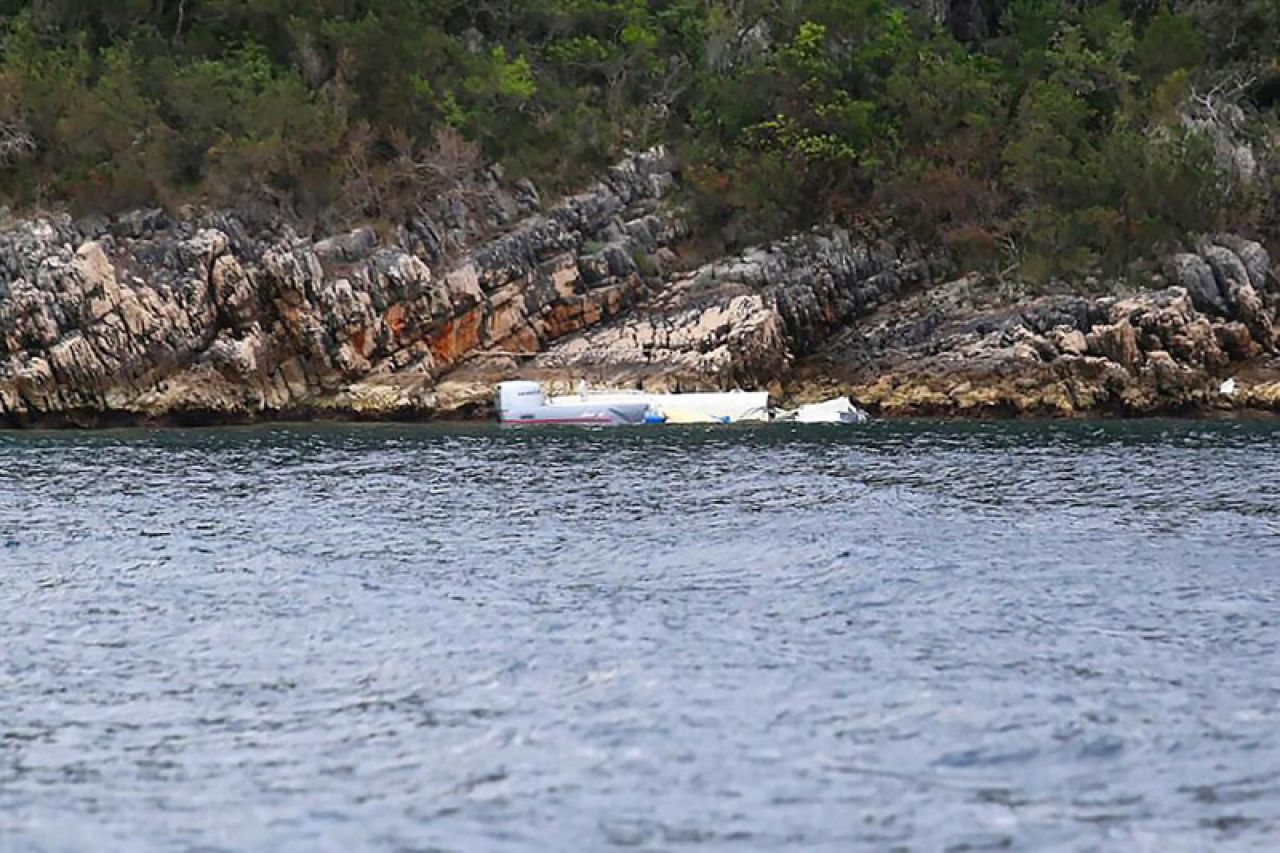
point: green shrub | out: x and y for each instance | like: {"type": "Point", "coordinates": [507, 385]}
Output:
{"type": "Point", "coordinates": [1061, 132]}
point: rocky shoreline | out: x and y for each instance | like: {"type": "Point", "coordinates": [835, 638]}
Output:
{"type": "Point", "coordinates": [964, 348]}
{"type": "Point", "coordinates": [208, 320]}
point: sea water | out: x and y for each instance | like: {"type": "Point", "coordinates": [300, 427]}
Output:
{"type": "Point", "coordinates": [917, 635]}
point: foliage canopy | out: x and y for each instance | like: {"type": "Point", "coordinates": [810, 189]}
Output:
{"type": "Point", "coordinates": [1069, 129]}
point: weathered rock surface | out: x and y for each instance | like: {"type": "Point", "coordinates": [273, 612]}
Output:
{"type": "Point", "coordinates": [965, 347]}
{"type": "Point", "coordinates": [744, 321]}
{"type": "Point", "coordinates": [147, 318]}
{"type": "Point", "coordinates": [150, 319]}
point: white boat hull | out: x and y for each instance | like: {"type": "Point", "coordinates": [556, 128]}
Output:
{"type": "Point", "coordinates": [524, 404]}
{"type": "Point", "coordinates": [709, 407]}
{"type": "Point", "coordinates": [837, 411]}
{"type": "Point", "coordinates": [623, 415]}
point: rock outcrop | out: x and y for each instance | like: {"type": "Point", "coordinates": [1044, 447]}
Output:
{"type": "Point", "coordinates": [148, 319]}
{"type": "Point", "coordinates": [969, 347]}
{"type": "Point", "coordinates": [744, 321]}
{"type": "Point", "coordinates": [817, 316]}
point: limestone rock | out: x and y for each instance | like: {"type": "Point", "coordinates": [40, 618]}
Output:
{"type": "Point", "coordinates": [1117, 342]}
{"type": "Point", "coordinates": [1194, 274]}
{"type": "Point", "coordinates": [182, 320]}
{"type": "Point", "coordinates": [962, 348]}
{"type": "Point", "coordinates": [207, 318]}
{"type": "Point", "coordinates": [743, 321]}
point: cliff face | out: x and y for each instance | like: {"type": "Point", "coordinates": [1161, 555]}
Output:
{"type": "Point", "coordinates": [747, 320]}
{"type": "Point", "coordinates": [968, 347]}
{"type": "Point", "coordinates": [150, 320]}
{"type": "Point", "coordinates": [205, 321]}
{"type": "Point", "coordinates": [817, 316]}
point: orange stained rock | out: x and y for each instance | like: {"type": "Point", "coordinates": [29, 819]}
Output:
{"type": "Point", "coordinates": [566, 318]}
{"type": "Point", "coordinates": [358, 341]}
{"type": "Point", "coordinates": [458, 336]}
{"type": "Point", "coordinates": [394, 318]}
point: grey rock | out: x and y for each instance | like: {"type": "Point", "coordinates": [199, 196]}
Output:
{"type": "Point", "coordinates": [1194, 273]}
{"type": "Point", "coordinates": [216, 318]}
{"type": "Point", "coordinates": [527, 199]}
{"type": "Point", "coordinates": [353, 246]}
{"type": "Point", "coordinates": [1252, 255]}
{"type": "Point", "coordinates": [219, 317]}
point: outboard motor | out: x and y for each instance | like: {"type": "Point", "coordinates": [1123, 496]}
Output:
{"type": "Point", "coordinates": [518, 399]}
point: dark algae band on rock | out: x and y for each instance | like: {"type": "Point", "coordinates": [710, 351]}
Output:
{"type": "Point", "coordinates": [212, 321]}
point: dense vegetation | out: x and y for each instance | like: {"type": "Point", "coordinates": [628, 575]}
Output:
{"type": "Point", "coordinates": [1050, 133]}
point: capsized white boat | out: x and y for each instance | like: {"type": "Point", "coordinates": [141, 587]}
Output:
{"type": "Point", "coordinates": [723, 407]}
{"type": "Point", "coordinates": [524, 403]}
{"type": "Point", "coordinates": [840, 410]}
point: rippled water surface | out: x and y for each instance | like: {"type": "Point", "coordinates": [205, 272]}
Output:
{"type": "Point", "coordinates": [915, 635]}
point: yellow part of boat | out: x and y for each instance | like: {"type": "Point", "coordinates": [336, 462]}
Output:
{"type": "Point", "coordinates": [677, 415]}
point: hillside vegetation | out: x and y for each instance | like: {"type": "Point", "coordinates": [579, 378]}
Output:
{"type": "Point", "coordinates": [1046, 135]}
